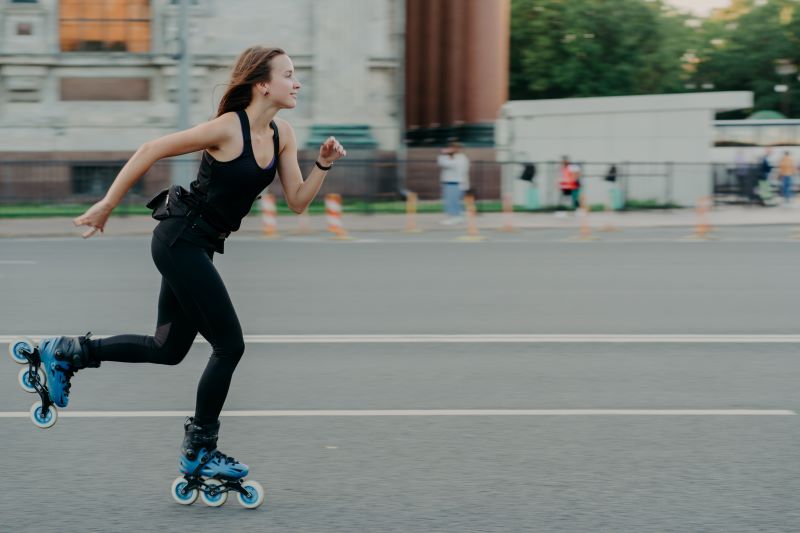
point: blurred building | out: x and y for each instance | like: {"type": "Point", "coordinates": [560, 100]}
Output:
{"type": "Point", "coordinates": [98, 78]}
{"type": "Point", "coordinates": [91, 80]}
{"type": "Point", "coordinates": [661, 144]}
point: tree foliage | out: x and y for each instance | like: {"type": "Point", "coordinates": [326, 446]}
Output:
{"type": "Point", "coordinates": [745, 52]}
{"type": "Point", "coordinates": [579, 48]}
{"type": "Point", "coordinates": [565, 48]}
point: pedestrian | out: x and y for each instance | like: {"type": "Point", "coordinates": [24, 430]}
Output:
{"type": "Point", "coordinates": [454, 177]}
{"type": "Point", "coordinates": [763, 187]}
{"type": "Point", "coordinates": [786, 170]}
{"type": "Point", "coordinates": [569, 182]}
{"type": "Point", "coordinates": [244, 147]}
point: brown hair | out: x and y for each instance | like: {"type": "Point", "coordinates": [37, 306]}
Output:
{"type": "Point", "coordinates": [253, 66]}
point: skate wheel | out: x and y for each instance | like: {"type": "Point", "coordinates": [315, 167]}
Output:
{"type": "Point", "coordinates": [24, 378]}
{"type": "Point", "coordinates": [178, 494]}
{"type": "Point", "coordinates": [17, 347]}
{"type": "Point", "coordinates": [216, 499]}
{"type": "Point", "coordinates": [256, 497]}
{"type": "Point", "coordinates": [40, 420]}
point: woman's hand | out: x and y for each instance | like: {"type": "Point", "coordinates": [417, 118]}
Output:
{"type": "Point", "coordinates": [95, 217]}
{"type": "Point", "coordinates": [331, 151]}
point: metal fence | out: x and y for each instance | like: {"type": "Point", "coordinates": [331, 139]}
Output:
{"type": "Point", "coordinates": [381, 179]}
{"type": "Point", "coordinates": [79, 181]}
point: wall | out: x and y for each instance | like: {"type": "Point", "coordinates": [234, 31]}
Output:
{"type": "Point", "coordinates": [650, 130]}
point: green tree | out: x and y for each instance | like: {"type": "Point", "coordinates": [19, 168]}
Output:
{"type": "Point", "coordinates": [744, 51]}
{"type": "Point", "coordinates": [566, 48]}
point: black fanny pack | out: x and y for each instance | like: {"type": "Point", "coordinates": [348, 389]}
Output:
{"type": "Point", "coordinates": [170, 203]}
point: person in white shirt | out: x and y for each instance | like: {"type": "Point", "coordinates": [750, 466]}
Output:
{"type": "Point", "coordinates": [454, 175]}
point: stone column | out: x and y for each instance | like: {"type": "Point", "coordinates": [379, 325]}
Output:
{"type": "Point", "coordinates": [487, 53]}
{"type": "Point", "coordinates": [415, 52]}
{"type": "Point", "coordinates": [339, 70]}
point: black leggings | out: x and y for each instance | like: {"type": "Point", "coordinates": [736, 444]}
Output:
{"type": "Point", "coordinates": [193, 298]}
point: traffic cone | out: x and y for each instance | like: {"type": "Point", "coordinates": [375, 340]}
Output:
{"type": "Point", "coordinates": [702, 228]}
{"type": "Point", "coordinates": [585, 232]}
{"type": "Point", "coordinates": [411, 213]}
{"type": "Point", "coordinates": [473, 235]}
{"type": "Point", "coordinates": [333, 215]}
{"type": "Point", "coordinates": [508, 214]}
{"type": "Point", "coordinates": [269, 217]}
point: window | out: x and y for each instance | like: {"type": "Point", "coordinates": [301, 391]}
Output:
{"type": "Point", "coordinates": [24, 28]}
{"type": "Point", "coordinates": [104, 89]}
{"type": "Point", "coordinates": [105, 25]}
{"type": "Point", "coordinates": [95, 179]}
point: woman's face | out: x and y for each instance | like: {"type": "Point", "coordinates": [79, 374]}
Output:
{"type": "Point", "coordinates": [283, 86]}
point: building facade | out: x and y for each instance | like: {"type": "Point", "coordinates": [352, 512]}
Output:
{"type": "Point", "coordinates": [89, 81]}
{"type": "Point", "coordinates": [661, 145]}
{"type": "Point", "coordinates": [101, 77]}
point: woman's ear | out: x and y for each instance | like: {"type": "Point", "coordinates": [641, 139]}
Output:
{"type": "Point", "coordinates": [263, 88]}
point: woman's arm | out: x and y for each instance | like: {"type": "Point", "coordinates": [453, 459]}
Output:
{"type": "Point", "coordinates": [206, 135]}
{"type": "Point", "coordinates": [299, 193]}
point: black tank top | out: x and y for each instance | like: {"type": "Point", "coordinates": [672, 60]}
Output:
{"type": "Point", "coordinates": [224, 191]}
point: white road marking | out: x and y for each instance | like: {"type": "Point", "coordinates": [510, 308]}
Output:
{"type": "Point", "coordinates": [420, 413]}
{"type": "Point", "coordinates": [492, 339]}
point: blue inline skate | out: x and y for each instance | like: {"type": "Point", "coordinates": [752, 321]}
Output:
{"type": "Point", "coordinates": [51, 366]}
{"type": "Point", "coordinates": [209, 473]}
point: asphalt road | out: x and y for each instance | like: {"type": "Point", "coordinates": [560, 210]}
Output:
{"type": "Point", "coordinates": [456, 472]}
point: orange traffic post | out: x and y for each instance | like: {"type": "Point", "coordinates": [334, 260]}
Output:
{"type": "Point", "coordinates": [508, 214]}
{"type": "Point", "coordinates": [473, 235]}
{"type": "Point", "coordinates": [702, 227]}
{"type": "Point", "coordinates": [612, 213]}
{"type": "Point", "coordinates": [333, 215]}
{"type": "Point", "coordinates": [411, 213]}
{"type": "Point", "coordinates": [585, 231]}
{"type": "Point", "coordinates": [269, 217]}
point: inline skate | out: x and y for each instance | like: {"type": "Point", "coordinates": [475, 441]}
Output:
{"type": "Point", "coordinates": [50, 367]}
{"type": "Point", "coordinates": [209, 473]}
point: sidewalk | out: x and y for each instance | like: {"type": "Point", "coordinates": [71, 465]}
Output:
{"type": "Point", "coordinates": [719, 216]}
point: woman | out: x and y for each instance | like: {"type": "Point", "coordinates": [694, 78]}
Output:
{"type": "Point", "coordinates": [244, 147]}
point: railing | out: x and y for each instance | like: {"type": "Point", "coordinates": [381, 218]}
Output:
{"type": "Point", "coordinates": [371, 180]}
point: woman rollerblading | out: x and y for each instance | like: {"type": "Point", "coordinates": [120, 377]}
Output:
{"type": "Point", "coordinates": [243, 148]}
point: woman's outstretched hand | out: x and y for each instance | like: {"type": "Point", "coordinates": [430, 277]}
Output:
{"type": "Point", "coordinates": [95, 217]}
{"type": "Point", "coordinates": [331, 151]}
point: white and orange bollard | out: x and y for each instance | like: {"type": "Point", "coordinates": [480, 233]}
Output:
{"type": "Point", "coordinates": [473, 234]}
{"type": "Point", "coordinates": [508, 214]}
{"type": "Point", "coordinates": [269, 217]}
{"type": "Point", "coordinates": [585, 230]}
{"type": "Point", "coordinates": [703, 226]}
{"type": "Point", "coordinates": [411, 213]}
{"type": "Point", "coordinates": [333, 216]}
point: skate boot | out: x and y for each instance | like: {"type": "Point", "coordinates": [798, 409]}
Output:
{"type": "Point", "coordinates": [209, 472]}
{"type": "Point", "coordinates": [61, 358]}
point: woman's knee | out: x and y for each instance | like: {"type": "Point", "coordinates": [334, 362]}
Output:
{"type": "Point", "coordinates": [170, 349]}
{"type": "Point", "coordinates": [231, 349]}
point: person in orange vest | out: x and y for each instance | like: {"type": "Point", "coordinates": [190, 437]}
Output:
{"type": "Point", "coordinates": [570, 181]}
